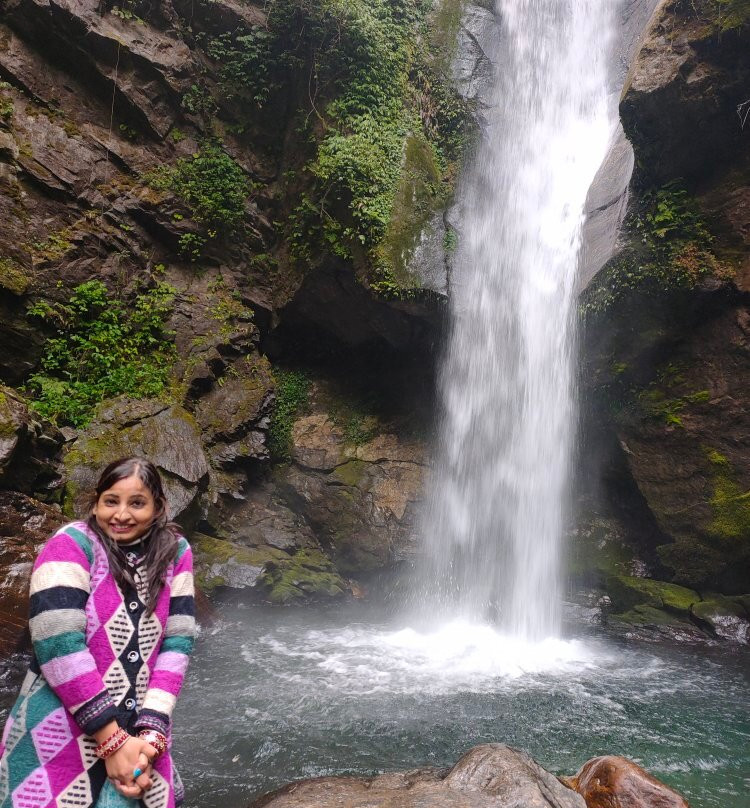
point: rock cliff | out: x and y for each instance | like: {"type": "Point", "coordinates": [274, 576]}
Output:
{"type": "Point", "coordinates": [192, 194]}
{"type": "Point", "coordinates": [666, 339]}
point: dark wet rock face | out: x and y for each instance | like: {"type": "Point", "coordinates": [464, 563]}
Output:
{"type": "Point", "coordinates": [668, 368]}
{"type": "Point", "coordinates": [29, 448]}
{"type": "Point", "coordinates": [25, 525]}
{"type": "Point", "coordinates": [491, 775]}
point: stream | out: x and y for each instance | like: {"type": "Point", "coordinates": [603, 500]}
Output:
{"type": "Point", "coordinates": [274, 695]}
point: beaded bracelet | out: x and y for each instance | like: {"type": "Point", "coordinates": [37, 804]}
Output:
{"type": "Point", "coordinates": [116, 741]}
{"type": "Point", "coordinates": [156, 739]}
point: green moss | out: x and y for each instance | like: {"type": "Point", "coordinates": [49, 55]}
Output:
{"type": "Point", "coordinates": [292, 391]}
{"type": "Point", "coordinates": [730, 14]}
{"type": "Point", "coordinates": [595, 557]}
{"type": "Point", "coordinates": [646, 615]}
{"type": "Point", "coordinates": [627, 592]}
{"type": "Point", "coordinates": [215, 559]}
{"type": "Point", "coordinates": [13, 276]}
{"type": "Point", "coordinates": [307, 575]}
{"type": "Point", "coordinates": [670, 250]}
{"type": "Point", "coordinates": [350, 473]}
{"type": "Point", "coordinates": [730, 505]}
{"type": "Point", "coordinates": [419, 195]}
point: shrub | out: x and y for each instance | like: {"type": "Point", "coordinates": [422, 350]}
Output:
{"type": "Point", "coordinates": [102, 347]}
{"type": "Point", "coordinates": [292, 391]}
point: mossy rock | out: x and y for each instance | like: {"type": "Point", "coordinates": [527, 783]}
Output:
{"type": "Point", "coordinates": [646, 615]}
{"type": "Point", "coordinates": [627, 592]}
{"type": "Point", "coordinates": [715, 605]}
{"type": "Point", "coordinates": [13, 277]}
{"type": "Point", "coordinates": [308, 575]}
{"type": "Point", "coordinates": [744, 601]}
{"type": "Point", "coordinates": [350, 473]}
{"type": "Point", "coordinates": [167, 435]}
{"type": "Point", "coordinates": [222, 563]}
{"type": "Point", "coordinates": [722, 616]}
{"type": "Point", "coordinates": [419, 195]}
{"type": "Point", "coordinates": [594, 558]}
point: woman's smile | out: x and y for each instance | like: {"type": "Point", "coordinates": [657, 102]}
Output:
{"type": "Point", "coordinates": [126, 511]}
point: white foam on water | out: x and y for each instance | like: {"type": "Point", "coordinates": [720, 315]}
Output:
{"type": "Point", "coordinates": [460, 655]}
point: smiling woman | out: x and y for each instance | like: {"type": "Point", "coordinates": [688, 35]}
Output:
{"type": "Point", "coordinates": [112, 625]}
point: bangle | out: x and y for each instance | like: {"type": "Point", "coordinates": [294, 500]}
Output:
{"type": "Point", "coordinates": [156, 739]}
{"type": "Point", "coordinates": [116, 741]}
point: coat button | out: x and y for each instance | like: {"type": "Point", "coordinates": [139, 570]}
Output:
{"type": "Point", "coordinates": [129, 704]}
{"type": "Point", "coordinates": [133, 605]}
{"type": "Point", "coordinates": [133, 656]}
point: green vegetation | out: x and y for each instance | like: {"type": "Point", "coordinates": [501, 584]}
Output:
{"type": "Point", "coordinates": [670, 249]}
{"type": "Point", "coordinates": [214, 187]}
{"type": "Point", "coordinates": [309, 573]}
{"type": "Point", "coordinates": [730, 505]}
{"type": "Point", "coordinates": [656, 404]}
{"type": "Point", "coordinates": [731, 14]}
{"type": "Point", "coordinates": [292, 391]}
{"type": "Point", "coordinates": [103, 347]}
{"type": "Point", "coordinates": [385, 124]}
{"type": "Point", "coordinates": [13, 276]}
{"type": "Point", "coordinates": [6, 103]}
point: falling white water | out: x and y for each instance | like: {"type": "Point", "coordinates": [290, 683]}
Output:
{"type": "Point", "coordinates": [497, 508]}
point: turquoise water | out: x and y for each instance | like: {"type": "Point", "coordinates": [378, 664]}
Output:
{"type": "Point", "coordinates": [275, 695]}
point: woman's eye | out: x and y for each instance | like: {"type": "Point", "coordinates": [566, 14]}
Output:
{"type": "Point", "coordinates": [110, 501]}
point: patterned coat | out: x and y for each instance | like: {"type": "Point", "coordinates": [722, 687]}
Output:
{"type": "Point", "coordinates": [97, 657]}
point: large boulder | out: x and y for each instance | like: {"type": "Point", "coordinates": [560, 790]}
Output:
{"type": "Point", "coordinates": [166, 435]}
{"type": "Point", "coordinates": [488, 776]}
{"type": "Point", "coordinates": [29, 448]}
{"type": "Point", "coordinates": [358, 494]}
{"type": "Point", "coordinates": [611, 781]}
{"type": "Point", "coordinates": [25, 524]}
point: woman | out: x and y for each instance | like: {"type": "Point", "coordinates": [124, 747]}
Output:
{"type": "Point", "coordinates": [112, 624]}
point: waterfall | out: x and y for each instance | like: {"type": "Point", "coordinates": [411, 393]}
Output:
{"type": "Point", "coordinates": [496, 509]}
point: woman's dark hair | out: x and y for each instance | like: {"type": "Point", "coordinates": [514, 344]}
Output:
{"type": "Point", "coordinates": [160, 539]}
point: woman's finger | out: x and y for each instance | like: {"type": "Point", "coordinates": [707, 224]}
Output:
{"type": "Point", "coordinates": [141, 775]}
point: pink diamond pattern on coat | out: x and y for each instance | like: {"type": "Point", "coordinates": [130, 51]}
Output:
{"type": "Point", "coordinates": [33, 792]}
{"type": "Point", "coordinates": [51, 735]}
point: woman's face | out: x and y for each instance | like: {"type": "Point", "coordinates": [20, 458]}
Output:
{"type": "Point", "coordinates": [126, 510]}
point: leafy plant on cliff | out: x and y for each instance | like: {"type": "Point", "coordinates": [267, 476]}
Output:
{"type": "Point", "coordinates": [102, 347]}
{"type": "Point", "coordinates": [669, 249]}
{"type": "Point", "coordinates": [292, 391]}
{"type": "Point", "coordinates": [369, 85]}
{"type": "Point", "coordinates": [215, 189]}
{"type": "Point", "coordinates": [731, 13]}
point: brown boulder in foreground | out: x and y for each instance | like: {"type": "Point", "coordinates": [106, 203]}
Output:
{"type": "Point", "coordinates": [611, 781]}
{"type": "Point", "coordinates": [488, 776]}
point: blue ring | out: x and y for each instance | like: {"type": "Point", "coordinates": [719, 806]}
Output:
{"type": "Point", "coordinates": [137, 772]}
